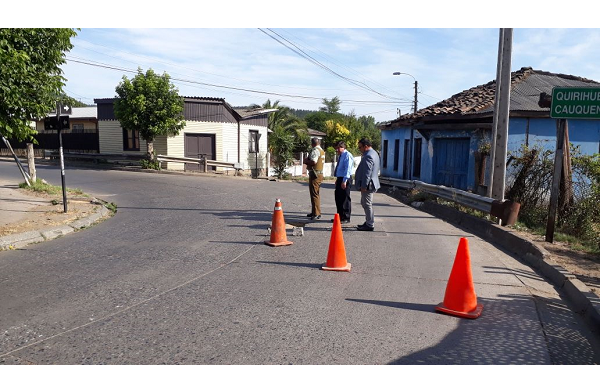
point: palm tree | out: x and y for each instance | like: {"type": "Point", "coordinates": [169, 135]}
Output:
{"type": "Point", "coordinates": [288, 135]}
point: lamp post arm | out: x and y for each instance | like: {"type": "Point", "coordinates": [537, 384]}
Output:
{"type": "Point", "coordinates": [416, 88]}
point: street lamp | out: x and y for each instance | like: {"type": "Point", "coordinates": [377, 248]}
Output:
{"type": "Point", "coordinates": [409, 173]}
{"type": "Point", "coordinates": [416, 85]}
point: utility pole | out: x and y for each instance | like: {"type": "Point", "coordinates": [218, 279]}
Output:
{"type": "Point", "coordinates": [415, 106]}
{"type": "Point", "coordinates": [412, 130]}
{"type": "Point", "coordinates": [501, 138]}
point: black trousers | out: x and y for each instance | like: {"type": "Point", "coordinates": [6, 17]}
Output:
{"type": "Point", "coordinates": [342, 198]}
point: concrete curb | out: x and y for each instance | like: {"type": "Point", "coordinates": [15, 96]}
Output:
{"type": "Point", "coordinates": [16, 241]}
{"type": "Point", "coordinates": [584, 301]}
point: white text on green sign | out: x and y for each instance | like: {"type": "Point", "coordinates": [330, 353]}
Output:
{"type": "Point", "coordinates": [575, 103]}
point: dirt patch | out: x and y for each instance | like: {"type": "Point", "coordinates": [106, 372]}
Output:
{"type": "Point", "coordinates": [585, 267]}
{"type": "Point", "coordinates": [48, 211]}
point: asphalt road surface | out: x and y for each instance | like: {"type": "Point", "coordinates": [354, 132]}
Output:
{"type": "Point", "coordinates": [181, 275]}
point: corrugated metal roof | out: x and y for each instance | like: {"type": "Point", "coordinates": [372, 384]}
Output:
{"type": "Point", "coordinates": [84, 112]}
{"type": "Point", "coordinates": [81, 113]}
{"type": "Point", "coordinates": [249, 112]}
{"type": "Point", "coordinates": [524, 96]}
{"type": "Point", "coordinates": [526, 86]}
{"type": "Point", "coordinates": [315, 132]}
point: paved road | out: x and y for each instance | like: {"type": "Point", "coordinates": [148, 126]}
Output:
{"type": "Point", "coordinates": [180, 275]}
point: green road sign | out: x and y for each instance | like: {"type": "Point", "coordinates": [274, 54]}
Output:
{"type": "Point", "coordinates": [575, 103]}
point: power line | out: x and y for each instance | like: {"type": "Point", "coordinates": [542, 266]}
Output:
{"type": "Point", "coordinates": [306, 56]}
{"type": "Point", "coordinates": [168, 63]}
{"type": "Point", "coordinates": [112, 67]}
{"type": "Point", "coordinates": [331, 59]}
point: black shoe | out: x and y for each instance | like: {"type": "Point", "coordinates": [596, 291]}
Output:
{"type": "Point", "coordinates": [309, 215]}
{"type": "Point", "coordinates": [364, 227]}
{"type": "Point", "coordinates": [315, 217]}
{"type": "Point", "coordinates": [361, 225]}
{"type": "Point", "coordinates": [343, 221]}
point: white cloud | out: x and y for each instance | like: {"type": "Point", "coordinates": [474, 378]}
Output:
{"type": "Point", "coordinates": [444, 61]}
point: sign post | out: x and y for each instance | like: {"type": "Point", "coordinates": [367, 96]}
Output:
{"type": "Point", "coordinates": [567, 103]}
{"type": "Point", "coordinates": [60, 108]}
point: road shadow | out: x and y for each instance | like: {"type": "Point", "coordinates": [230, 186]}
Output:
{"type": "Point", "coordinates": [296, 264]}
{"type": "Point", "coordinates": [504, 335]}
{"type": "Point", "coordinates": [398, 304]}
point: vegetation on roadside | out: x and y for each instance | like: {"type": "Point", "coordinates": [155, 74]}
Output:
{"type": "Point", "coordinates": [110, 206]}
{"type": "Point", "coordinates": [290, 134]}
{"type": "Point", "coordinates": [578, 213]}
{"type": "Point", "coordinates": [41, 186]}
{"type": "Point", "coordinates": [153, 163]}
{"type": "Point", "coordinates": [529, 180]}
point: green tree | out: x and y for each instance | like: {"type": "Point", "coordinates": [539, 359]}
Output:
{"type": "Point", "coordinates": [281, 145]}
{"type": "Point", "coordinates": [337, 132]}
{"type": "Point", "coordinates": [72, 101]}
{"type": "Point", "coordinates": [363, 127]}
{"type": "Point", "coordinates": [286, 128]}
{"type": "Point", "coordinates": [316, 120]}
{"type": "Point", "coordinates": [30, 76]}
{"type": "Point", "coordinates": [331, 106]}
{"type": "Point", "coordinates": [150, 104]}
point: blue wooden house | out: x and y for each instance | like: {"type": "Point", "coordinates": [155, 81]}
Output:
{"type": "Point", "coordinates": [444, 143]}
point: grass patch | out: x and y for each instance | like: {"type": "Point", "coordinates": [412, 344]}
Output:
{"type": "Point", "coordinates": [42, 187]}
{"type": "Point", "coordinates": [111, 207]}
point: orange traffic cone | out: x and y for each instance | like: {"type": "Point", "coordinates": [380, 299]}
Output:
{"type": "Point", "coordinates": [336, 257]}
{"type": "Point", "coordinates": [460, 299]}
{"type": "Point", "coordinates": [278, 234]}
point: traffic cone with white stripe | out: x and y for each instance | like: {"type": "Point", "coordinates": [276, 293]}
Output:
{"type": "Point", "coordinates": [278, 233]}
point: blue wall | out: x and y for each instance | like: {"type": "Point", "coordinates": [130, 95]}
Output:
{"type": "Point", "coordinates": [582, 133]}
{"type": "Point", "coordinates": [530, 131]}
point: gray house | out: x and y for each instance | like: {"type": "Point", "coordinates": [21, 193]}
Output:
{"type": "Point", "coordinates": [443, 144]}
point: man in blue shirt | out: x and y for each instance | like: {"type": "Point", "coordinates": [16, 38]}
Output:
{"type": "Point", "coordinates": [343, 182]}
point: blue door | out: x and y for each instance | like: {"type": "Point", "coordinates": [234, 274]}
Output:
{"type": "Point", "coordinates": [451, 162]}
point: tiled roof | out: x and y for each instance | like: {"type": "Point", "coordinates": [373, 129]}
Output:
{"type": "Point", "coordinates": [526, 86]}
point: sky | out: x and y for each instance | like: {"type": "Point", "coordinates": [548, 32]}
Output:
{"type": "Point", "coordinates": [320, 50]}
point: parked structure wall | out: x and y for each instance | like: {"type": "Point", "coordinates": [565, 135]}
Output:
{"type": "Point", "coordinates": [110, 135]}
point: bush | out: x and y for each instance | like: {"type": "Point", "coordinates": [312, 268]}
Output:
{"type": "Point", "coordinates": [150, 164]}
{"type": "Point", "coordinates": [578, 214]}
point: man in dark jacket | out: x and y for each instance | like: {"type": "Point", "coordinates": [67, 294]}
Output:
{"type": "Point", "coordinates": [367, 181]}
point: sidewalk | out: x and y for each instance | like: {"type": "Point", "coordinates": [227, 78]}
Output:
{"type": "Point", "coordinates": [583, 300]}
{"type": "Point", "coordinates": [27, 218]}
{"type": "Point", "coordinates": [14, 203]}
